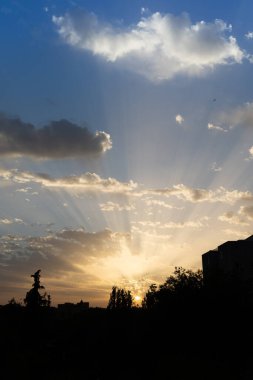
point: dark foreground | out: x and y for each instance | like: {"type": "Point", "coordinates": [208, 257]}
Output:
{"type": "Point", "coordinates": [214, 342]}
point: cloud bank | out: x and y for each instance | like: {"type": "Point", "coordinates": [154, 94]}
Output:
{"type": "Point", "coordinates": [59, 139]}
{"type": "Point", "coordinates": [88, 182]}
{"type": "Point", "coordinates": [158, 47]}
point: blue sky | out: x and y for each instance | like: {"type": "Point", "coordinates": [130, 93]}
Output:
{"type": "Point", "coordinates": [126, 140]}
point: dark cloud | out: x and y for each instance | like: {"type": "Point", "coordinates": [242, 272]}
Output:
{"type": "Point", "coordinates": [59, 139]}
{"type": "Point", "coordinates": [63, 256]}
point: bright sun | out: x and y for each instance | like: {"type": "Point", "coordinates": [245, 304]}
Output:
{"type": "Point", "coordinates": [137, 298]}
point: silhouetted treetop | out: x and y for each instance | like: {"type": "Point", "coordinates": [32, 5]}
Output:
{"type": "Point", "coordinates": [182, 285]}
{"type": "Point", "coordinates": [120, 299]}
{"type": "Point", "coordinates": [33, 297]}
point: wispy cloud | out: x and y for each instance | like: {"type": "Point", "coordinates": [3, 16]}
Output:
{"type": "Point", "coordinates": [249, 35]}
{"type": "Point", "coordinates": [89, 182]}
{"type": "Point", "coordinates": [241, 115]}
{"type": "Point", "coordinates": [214, 127]}
{"type": "Point", "coordinates": [196, 195]}
{"type": "Point", "coordinates": [158, 47]}
{"type": "Point", "coordinates": [112, 206]}
{"type": "Point", "coordinates": [233, 218]}
{"type": "Point", "coordinates": [11, 221]}
{"type": "Point", "coordinates": [247, 211]}
{"type": "Point", "coordinates": [195, 224]}
{"type": "Point", "coordinates": [59, 139]}
{"type": "Point", "coordinates": [215, 167]}
{"type": "Point", "coordinates": [64, 256]}
{"type": "Point", "coordinates": [84, 182]}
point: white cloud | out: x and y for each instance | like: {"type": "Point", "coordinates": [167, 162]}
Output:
{"type": "Point", "coordinates": [159, 203]}
{"type": "Point", "coordinates": [216, 128]}
{"type": "Point", "coordinates": [11, 221]}
{"type": "Point", "coordinates": [112, 206]}
{"type": "Point", "coordinates": [144, 10]}
{"type": "Point", "coordinates": [158, 47]}
{"type": "Point", "coordinates": [249, 35]}
{"type": "Point", "coordinates": [251, 152]}
{"type": "Point", "coordinates": [84, 182]}
{"type": "Point", "coordinates": [215, 167]}
{"type": "Point", "coordinates": [179, 119]}
{"type": "Point", "coordinates": [89, 182]}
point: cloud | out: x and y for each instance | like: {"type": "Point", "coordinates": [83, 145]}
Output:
{"type": "Point", "coordinates": [89, 182]}
{"type": "Point", "coordinates": [155, 225]}
{"type": "Point", "coordinates": [59, 139]}
{"type": "Point", "coordinates": [247, 211]}
{"type": "Point", "coordinates": [112, 206]}
{"type": "Point", "coordinates": [158, 47]}
{"type": "Point", "coordinates": [159, 203]}
{"type": "Point", "coordinates": [235, 233]}
{"type": "Point", "coordinates": [84, 182]}
{"type": "Point", "coordinates": [251, 151]}
{"type": "Point", "coordinates": [60, 251]}
{"type": "Point", "coordinates": [11, 221]}
{"type": "Point", "coordinates": [249, 35]}
{"type": "Point", "coordinates": [65, 257]}
{"type": "Point", "coordinates": [216, 128]}
{"type": "Point", "coordinates": [179, 119]}
{"type": "Point", "coordinates": [232, 218]}
{"type": "Point", "coordinates": [239, 116]}
{"type": "Point", "coordinates": [215, 168]}
{"type": "Point", "coordinates": [196, 195]}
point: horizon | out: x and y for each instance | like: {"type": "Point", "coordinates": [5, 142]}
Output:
{"type": "Point", "coordinates": [126, 141]}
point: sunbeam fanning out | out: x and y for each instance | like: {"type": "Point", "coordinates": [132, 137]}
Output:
{"type": "Point", "coordinates": [127, 150]}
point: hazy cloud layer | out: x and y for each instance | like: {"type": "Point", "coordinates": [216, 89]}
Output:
{"type": "Point", "coordinates": [204, 195]}
{"type": "Point", "coordinates": [247, 211]}
{"type": "Point", "coordinates": [59, 139]}
{"type": "Point", "coordinates": [157, 225]}
{"type": "Point", "coordinates": [233, 218]}
{"type": "Point", "coordinates": [62, 251]}
{"type": "Point", "coordinates": [93, 182]}
{"type": "Point", "coordinates": [112, 206]}
{"type": "Point", "coordinates": [242, 115]}
{"type": "Point", "coordinates": [64, 257]}
{"type": "Point", "coordinates": [158, 47]}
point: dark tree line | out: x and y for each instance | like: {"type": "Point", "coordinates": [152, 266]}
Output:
{"type": "Point", "coordinates": [120, 299]}
{"type": "Point", "coordinates": [183, 286]}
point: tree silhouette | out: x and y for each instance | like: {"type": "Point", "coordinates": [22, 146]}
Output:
{"type": "Point", "coordinates": [184, 285]}
{"type": "Point", "coordinates": [120, 299]}
{"type": "Point", "coordinates": [33, 297]}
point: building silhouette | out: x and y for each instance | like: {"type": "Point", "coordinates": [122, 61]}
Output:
{"type": "Point", "coordinates": [229, 267]}
{"type": "Point", "coordinates": [69, 308]}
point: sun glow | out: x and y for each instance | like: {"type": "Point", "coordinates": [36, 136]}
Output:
{"type": "Point", "coordinates": [137, 299]}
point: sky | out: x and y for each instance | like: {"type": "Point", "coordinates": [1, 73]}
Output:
{"type": "Point", "coordinates": [126, 141]}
